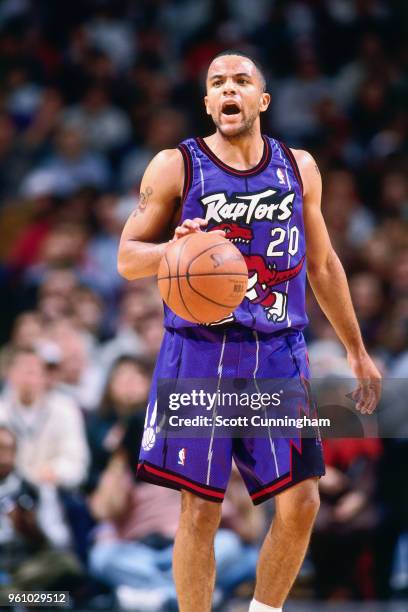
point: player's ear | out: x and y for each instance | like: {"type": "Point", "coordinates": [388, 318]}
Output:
{"type": "Point", "coordinates": [206, 105]}
{"type": "Point", "coordinates": [264, 102]}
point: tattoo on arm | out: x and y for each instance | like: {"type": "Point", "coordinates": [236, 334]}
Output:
{"type": "Point", "coordinates": [143, 200]}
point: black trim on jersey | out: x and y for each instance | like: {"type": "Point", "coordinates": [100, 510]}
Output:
{"type": "Point", "coordinates": [260, 166]}
{"type": "Point", "coordinates": [188, 169]}
{"type": "Point", "coordinates": [293, 163]}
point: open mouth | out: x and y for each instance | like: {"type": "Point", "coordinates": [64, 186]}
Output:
{"type": "Point", "coordinates": [230, 108]}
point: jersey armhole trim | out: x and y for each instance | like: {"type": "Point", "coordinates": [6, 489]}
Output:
{"type": "Point", "coordinates": [188, 170]}
{"type": "Point", "coordinates": [293, 163]}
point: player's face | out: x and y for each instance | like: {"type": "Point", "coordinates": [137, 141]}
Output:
{"type": "Point", "coordinates": [235, 95]}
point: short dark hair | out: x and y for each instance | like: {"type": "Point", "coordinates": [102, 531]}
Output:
{"type": "Point", "coordinates": [246, 56]}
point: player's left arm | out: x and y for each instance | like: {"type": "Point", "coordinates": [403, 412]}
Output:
{"type": "Point", "coordinates": [329, 283]}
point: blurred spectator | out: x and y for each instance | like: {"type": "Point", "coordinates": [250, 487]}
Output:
{"type": "Point", "coordinates": [348, 220]}
{"type": "Point", "coordinates": [134, 540]}
{"type": "Point", "coordinates": [394, 194]}
{"type": "Point", "coordinates": [140, 302]}
{"type": "Point", "coordinates": [296, 101]}
{"type": "Point", "coordinates": [166, 128]}
{"type": "Point", "coordinates": [124, 400]}
{"type": "Point", "coordinates": [29, 560]}
{"type": "Point", "coordinates": [55, 293]}
{"type": "Point", "coordinates": [80, 375]}
{"type": "Point", "coordinates": [369, 61]}
{"type": "Point", "coordinates": [105, 127]}
{"type": "Point", "coordinates": [24, 96]}
{"type": "Point", "coordinates": [367, 295]}
{"type": "Point", "coordinates": [41, 419]}
{"type": "Point", "coordinates": [101, 254]}
{"type": "Point", "coordinates": [64, 247]}
{"type": "Point", "coordinates": [342, 542]}
{"type": "Point", "coordinates": [87, 314]}
{"type": "Point", "coordinates": [26, 333]}
{"type": "Point", "coordinates": [72, 165]}
{"type": "Point", "coordinates": [112, 35]}
{"type": "Point", "coordinates": [14, 159]}
{"type": "Point", "coordinates": [370, 110]}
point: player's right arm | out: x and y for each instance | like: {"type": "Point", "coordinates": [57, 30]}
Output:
{"type": "Point", "coordinates": [150, 228]}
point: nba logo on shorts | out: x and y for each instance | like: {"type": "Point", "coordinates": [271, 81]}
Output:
{"type": "Point", "coordinates": [182, 456]}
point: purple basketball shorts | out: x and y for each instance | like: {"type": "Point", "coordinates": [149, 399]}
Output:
{"type": "Point", "coordinates": [202, 464]}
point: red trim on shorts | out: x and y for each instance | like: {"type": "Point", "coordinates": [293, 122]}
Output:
{"type": "Point", "coordinates": [273, 488]}
{"type": "Point", "coordinates": [182, 482]}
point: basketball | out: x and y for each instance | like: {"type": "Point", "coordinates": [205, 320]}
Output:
{"type": "Point", "coordinates": [202, 277]}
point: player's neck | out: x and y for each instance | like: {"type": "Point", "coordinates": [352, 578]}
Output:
{"type": "Point", "coordinates": [241, 152]}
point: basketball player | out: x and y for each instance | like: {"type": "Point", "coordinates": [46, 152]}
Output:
{"type": "Point", "coordinates": [265, 197]}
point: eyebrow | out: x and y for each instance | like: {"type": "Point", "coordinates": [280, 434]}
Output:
{"type": "Point", "coordinates": [222, 76]}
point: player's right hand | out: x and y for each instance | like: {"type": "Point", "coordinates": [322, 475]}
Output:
{"type": "Point", "coordinates": [190, 226]}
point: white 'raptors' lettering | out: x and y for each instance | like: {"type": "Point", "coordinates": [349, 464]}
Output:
{"type": "Point", "coordinates": [267, 205]}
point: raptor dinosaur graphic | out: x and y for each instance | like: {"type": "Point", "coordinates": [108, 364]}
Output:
{"type": "Point", "coordinates": [261, 276]}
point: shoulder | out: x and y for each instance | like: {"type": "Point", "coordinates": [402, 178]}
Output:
{"type": "Point", "coordinates": [166, 168]}
{"type": "Point", "coordinates": [169, 159]}
{"type": "Point", "coordinates": [309, 170]}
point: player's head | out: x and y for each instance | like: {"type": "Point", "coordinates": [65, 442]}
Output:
{"type": "Point", "coordinates": [235, 93]}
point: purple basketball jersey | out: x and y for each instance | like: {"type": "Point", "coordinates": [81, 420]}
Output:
{"type": "Point", "coordinates": [261, 211]}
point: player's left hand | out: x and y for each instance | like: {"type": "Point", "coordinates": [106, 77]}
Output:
{"type": "Point", "coordinates": [368, 393]}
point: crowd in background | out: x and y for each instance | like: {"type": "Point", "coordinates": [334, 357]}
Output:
{"type": "Point", "coordinates": [90, 91]}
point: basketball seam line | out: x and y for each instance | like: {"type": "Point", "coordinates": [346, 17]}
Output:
{"type": "Point", "coordinates": [178, 278]}
{"type": "Point", "coordinates": [169, 277]}
{"type": "Point", "coordinates": [226, 306]}
{"type": "Point", "coordinates": [188, 275]}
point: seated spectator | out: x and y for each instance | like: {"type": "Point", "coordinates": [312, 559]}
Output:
{"type": "Point", "coordinates": [124, 400]}
{"type": "Point", "coordinates": [26, 332]}
{"type": "Point", "coordinates": [139, 301]}
{"type": "Point", "coordinates": [63, 249]}
{"type": "Point", "coordinates": [80, 376]}
{"type": "Point", "coordinates": [367, 295]}
{"type": "Point", "coordinates": [88, 311]}
{"type": "Point", "coordinates": [105, 126]}
{"type": "Point", "coordinates": [72, 165]}
{"type": "Point", "coordinates": [29, 560]}
{"type": "Point", "coordinates": [166, 128]}
{"type": "Point", "coordinates": [342, 541]}
{"type": "Point", "coordinates": [14, 158]}
{"type": "Point", "coordinates": [52, 447]}
{"type": "Point", "coordinates": [133, 545]}
{"type": "Point", "coordinates": [55, 294]}
{"type": "Point", "coordinates": [102, 248]}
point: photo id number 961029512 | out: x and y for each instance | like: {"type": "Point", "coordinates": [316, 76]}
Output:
{"type": "Point", "coordinates": [35, 599]}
